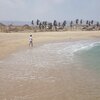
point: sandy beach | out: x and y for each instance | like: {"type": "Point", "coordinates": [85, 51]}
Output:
{"type": "Point", "coordinates": [49, 50]}
{"type": "Point", "coordinates": [10, 42]}
{"type": "Point", "coordinates": [44, 72]}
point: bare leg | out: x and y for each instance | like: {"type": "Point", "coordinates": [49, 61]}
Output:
{"type": "Point", "coordinates": [31, 44]}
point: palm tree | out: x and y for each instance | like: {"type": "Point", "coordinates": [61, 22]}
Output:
{"type": "Point", "coordinates": [81, 21]}
{"type": "Point", "coordinates": [55, 24]}
{"type": "Point", "coordinates": [45, 24]}
{"type": "Point", "coordinates": [87, 22]}
{"type": "Point", "coordinates": [64, 24]}
{"type": "Point", "coordinates": [59, 24]}
{"type": "Point", "coordinates": [37, 22]}
{"type": "Point", "coordinates": [40, 26]}
{"type": "Point", "coordinates": [71, 24]}
{"type": "Point", "coordinates": [92, 22]}
{"type": "Point", "coordinates": [50, 25]}
{"type": "Point", "coordinates": [98, 24]}
{"type": "Point", "coordinates": [32, 22]}
{"type": "Point", "coordinates": [77, 21]}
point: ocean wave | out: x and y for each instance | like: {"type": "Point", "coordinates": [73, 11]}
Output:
{"type": "Point", "coordinates": [69, 48]}
{"type": "Point", "coordinates": [87, 46]}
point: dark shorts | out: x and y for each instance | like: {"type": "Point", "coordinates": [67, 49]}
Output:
{"type": "Point", "coordinates": [31, 42]}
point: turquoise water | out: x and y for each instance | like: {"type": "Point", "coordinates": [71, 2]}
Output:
{"type": "Point", "coordinates": [90, 57]}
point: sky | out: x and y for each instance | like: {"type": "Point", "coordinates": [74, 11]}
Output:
{"type": "Point", "coordinates": [26, 10]}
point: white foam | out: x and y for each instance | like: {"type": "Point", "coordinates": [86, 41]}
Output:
{"type": "Point", "coordinates": [69, 48]}
{"type": "Point", "coordinates": [86, 46]}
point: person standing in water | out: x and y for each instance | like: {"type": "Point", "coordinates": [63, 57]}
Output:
{"type": "Point", "coordinates": [30, 41]}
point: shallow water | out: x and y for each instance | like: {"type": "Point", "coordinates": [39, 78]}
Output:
{"type": "Point", "coordinates": [90, 57]}
{"type": "Point", "coordinates": [54, 71]}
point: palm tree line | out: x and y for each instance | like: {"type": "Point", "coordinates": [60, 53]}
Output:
{"type": "Point", "coordinates": [44, 25]}
{"type": "Point", "coordinates": [39, 26]}
{"type": "Point", "coordinates": [71, 25]}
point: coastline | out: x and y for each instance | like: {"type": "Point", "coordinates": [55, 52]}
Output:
{"type": "Point", "coordinates": [13, 42]}
{"type": "Point", "coordinates": [41, 73]}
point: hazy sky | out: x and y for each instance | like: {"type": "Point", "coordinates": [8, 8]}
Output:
{"type": "Point", "coordinates": [26, 10]}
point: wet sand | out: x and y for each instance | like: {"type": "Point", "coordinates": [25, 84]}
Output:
{"type": "Point", "coordinates": [52, 84]}
{"type": "Point", "coordinates": [26, 75]}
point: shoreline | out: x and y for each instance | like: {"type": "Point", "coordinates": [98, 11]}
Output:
{"type": "Point", "coordinates": [39, 74]}
{"type": "Point", "coordinates": [13, 42]}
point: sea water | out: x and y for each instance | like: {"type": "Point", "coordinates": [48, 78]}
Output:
{"type": "Point", "coordinates": [84, 53]}
{"type": "Point", "coordinates": [89, 56]}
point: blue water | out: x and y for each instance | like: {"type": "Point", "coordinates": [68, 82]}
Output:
{"type": "Point", "coordinates": [90, 56]}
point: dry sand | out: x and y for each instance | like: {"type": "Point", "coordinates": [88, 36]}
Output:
{"type": "Point", "coordinates": [10, 42]}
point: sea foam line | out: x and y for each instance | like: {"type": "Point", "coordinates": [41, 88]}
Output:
{"type": "Point", "coordinates": [87, 46]}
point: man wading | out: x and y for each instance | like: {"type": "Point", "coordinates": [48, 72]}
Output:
{"type": "Point", "coordinates": [30, 41]}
